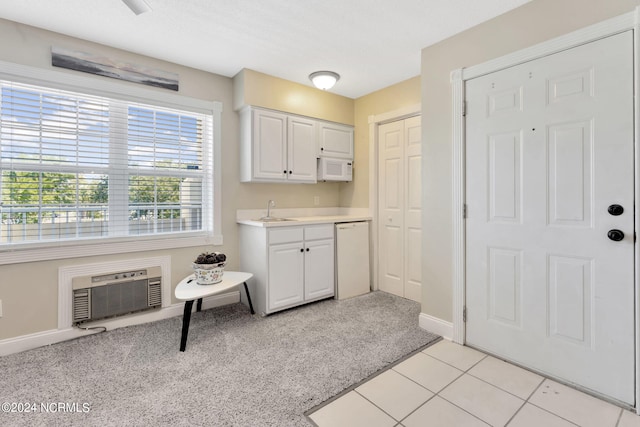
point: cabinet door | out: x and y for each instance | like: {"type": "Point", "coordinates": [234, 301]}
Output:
{"type": "Point", "coordinates": [319, 269]}
{"type": "Point", "coordinates": [286, 275]}
{"type": "Point", "coordinates": [302, 139]}
{"type": "Point", "coordinates": [336, 140]}
{"type": "Point", "coordinates": [269, 145]}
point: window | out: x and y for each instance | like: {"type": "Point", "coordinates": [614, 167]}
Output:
{"type": "Point", "coordinates": [79, 167]}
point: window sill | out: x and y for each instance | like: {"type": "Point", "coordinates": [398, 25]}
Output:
{"type": "Point", "coordinates": [104, 247]}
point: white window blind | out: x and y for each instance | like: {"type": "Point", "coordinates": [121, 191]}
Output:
{"type": "Point", "coordinates": [76, 166]}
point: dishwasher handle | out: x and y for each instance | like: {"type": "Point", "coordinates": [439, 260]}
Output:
{"type": "Point", "coordinates": [346, 225]}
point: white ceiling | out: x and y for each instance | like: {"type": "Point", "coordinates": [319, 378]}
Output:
{"type": "Point", "coordinates": [371, 43]}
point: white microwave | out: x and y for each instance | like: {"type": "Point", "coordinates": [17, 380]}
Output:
{"type": "Point", "coordinates": [335, 169]}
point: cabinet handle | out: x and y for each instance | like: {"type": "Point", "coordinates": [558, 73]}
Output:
{"type": "Point", "coordinates": [321, 148]}
{"type": "Point", "coordinates": [301, 250]}
{"type": "Point", "coordinates": [307, 249]}
{"type": "Point", "coordinates": [290, 172]}
{"type": "Point", "coordinates": [284, 172]}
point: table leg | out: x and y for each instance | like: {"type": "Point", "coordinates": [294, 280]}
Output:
{"type": "Point", "coordinates": [246, 289]}
{"type": "Point", "coordinates": [199, 306]}
{"type": "Point", "coordinates": [186, 318]}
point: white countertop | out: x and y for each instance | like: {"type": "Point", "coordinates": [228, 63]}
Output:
{"type": "Point", "coordinates": [305, 220]}
{"type": "Point", "coordinates": [302, 216]}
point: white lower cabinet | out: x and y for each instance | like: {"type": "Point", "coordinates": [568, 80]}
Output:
{"type": "Point", "coordinates": [319, 278]}
{"type": "Point", "coordinates": [286, 275]}
{"type": "Point", "coordinates": [291, 265]}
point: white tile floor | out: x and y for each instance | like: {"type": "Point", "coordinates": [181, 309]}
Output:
{"type": "Point", "coordinates": [448, 385]}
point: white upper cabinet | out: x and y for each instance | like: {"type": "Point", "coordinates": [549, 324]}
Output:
{"type": "Point", "coordinates": [335, 140]}
{"type": "Point", "coordinates": [277, 147]}
{"type": "Point", "coordinates": [269, 145]}
{"type": "Point", "coordinates": [302, 149]}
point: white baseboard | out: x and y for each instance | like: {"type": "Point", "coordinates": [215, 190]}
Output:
{"type": "Point", "coordinates": [437, 326]}
{"type": "Point", "coordinates": [40, 339]}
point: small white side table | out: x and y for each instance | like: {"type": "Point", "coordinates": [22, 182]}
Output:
{"type": "Point", "coordinates": [189, 291]}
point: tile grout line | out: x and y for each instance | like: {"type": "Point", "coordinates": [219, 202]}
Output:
{"type": "Point", "coordinates": [374, 404]}
{"type": "Point", "coordinates": [426, 388]}
{"type": "Point", "coordinates": [352, 387]}
{"type": "Point", "coordinates": [545, 376]}
{"type": "Point", "coordinates": [462, 409]}
{"type": "Point", "coordinates": [501, 389]}
{"type": "Point", "coordinates": [554, 414]}
{"type": "Point", "coordinates": [463, 373]}
{"type": "Point", "coordinates": [532, 393]}
{"type": "Point", "coordinates": [524, 402]}
{"type": "Point", "coordinates": [453, 366]}
{"type": "Point", "coordinates": [543, 409]}
{"type": "Point", "coordinates": [399, 422]}
{"type": "Point", "coordinates": [619, 417]}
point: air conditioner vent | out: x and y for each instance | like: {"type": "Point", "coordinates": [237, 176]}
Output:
{"type": "Point", "coordinates": [116, 294]}
{"type": "Point", "coordinates": [155, 293]}
{"type": "Point", "coordinates": [81, 305]}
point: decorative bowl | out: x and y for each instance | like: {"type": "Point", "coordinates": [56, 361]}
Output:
{"type": "Point", "coordinates": [208, 274]}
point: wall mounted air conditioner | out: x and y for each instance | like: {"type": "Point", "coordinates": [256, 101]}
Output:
{"type": "Point", "coordinates": [114, 294]}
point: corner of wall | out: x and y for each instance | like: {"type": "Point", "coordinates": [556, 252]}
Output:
{"type": "Point", "coordinates": [238, 90]}
{"type": "Point", "coordinates": [436, 326]}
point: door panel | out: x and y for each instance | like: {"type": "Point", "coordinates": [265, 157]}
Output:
{"type": "Point", "coordinates": [400, 208]}
{"type": "Point", "coordinates": [336, 140]}
{"type": "Point", "coordinates": [319, 269]}
{"type": "Point", "coordinates": [413, 209]}
{"type": "Point", "coordinates": [301, 148]}
{"type": "Point", "coordinates": [504, 286]}
{"type": "Point", "coordinates": [270, 145]}
{"type": "Point", "coordinates": [570, 148]}
{"type": "Point", "coordinates": [570, 281]}
{"type": "Point", "coordinates": [286, 275]}
{"type": "Point", "coordinates": [504, 176]}
{"type": "Point", "coordinates": [391, 215]}
{"type": "Point", "coordinates": [549, 146]}
{"type": "Point", "coordinates": [413, 273]}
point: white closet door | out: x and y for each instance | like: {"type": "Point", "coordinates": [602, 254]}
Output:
{"type": "Point", "coordinates": [399, 201]}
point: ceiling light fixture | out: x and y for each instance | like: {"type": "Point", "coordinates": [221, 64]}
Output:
{"type": "Point", "coordinates": [324, 79]}
{"type": "Point", "coordinates": [138, 6]}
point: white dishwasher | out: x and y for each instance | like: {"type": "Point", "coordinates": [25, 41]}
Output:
{"type": "Point", "coordinates": [352, 259]}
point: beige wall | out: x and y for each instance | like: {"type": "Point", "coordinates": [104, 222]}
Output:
{"type": "Point", "coordinates": [263, 90]}
{"type": "Point", "coordinates": [29, 291]}
{"type": "Point", "coordinates": [404, 94]}
{"type": "Point", "coordinates": [530, 24]}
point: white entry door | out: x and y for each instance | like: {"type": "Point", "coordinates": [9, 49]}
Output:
{"type": "Point", "coordinates": [550, 215]}
{"type": "Point", "coordinates": [399, 199]}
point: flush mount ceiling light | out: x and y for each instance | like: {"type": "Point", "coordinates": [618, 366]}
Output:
{"type": "Point", "coordinates": [138, 6]}
{"type": "Point", "coordinates": [324, 79]}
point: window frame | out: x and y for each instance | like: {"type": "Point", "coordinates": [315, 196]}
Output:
{"type": "Point", "coordinates": [127, 92]}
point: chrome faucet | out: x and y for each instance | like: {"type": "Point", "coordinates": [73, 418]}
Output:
{"type": "Point", "coordinates": [270, 204]}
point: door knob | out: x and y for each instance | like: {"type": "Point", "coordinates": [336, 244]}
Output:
{"type": "Point", "coordinates": [615, 235]}
{"type": "Point", "coordinates": [615, 210]}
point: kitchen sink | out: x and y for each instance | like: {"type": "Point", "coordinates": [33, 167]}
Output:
{"type": "Point", "coordinates": [274, 219]}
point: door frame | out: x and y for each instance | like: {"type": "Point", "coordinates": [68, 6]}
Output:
{"type": "Point", "coordinates": [619, 24]}
{"type": "Point", "coordinates": [374, 123]}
